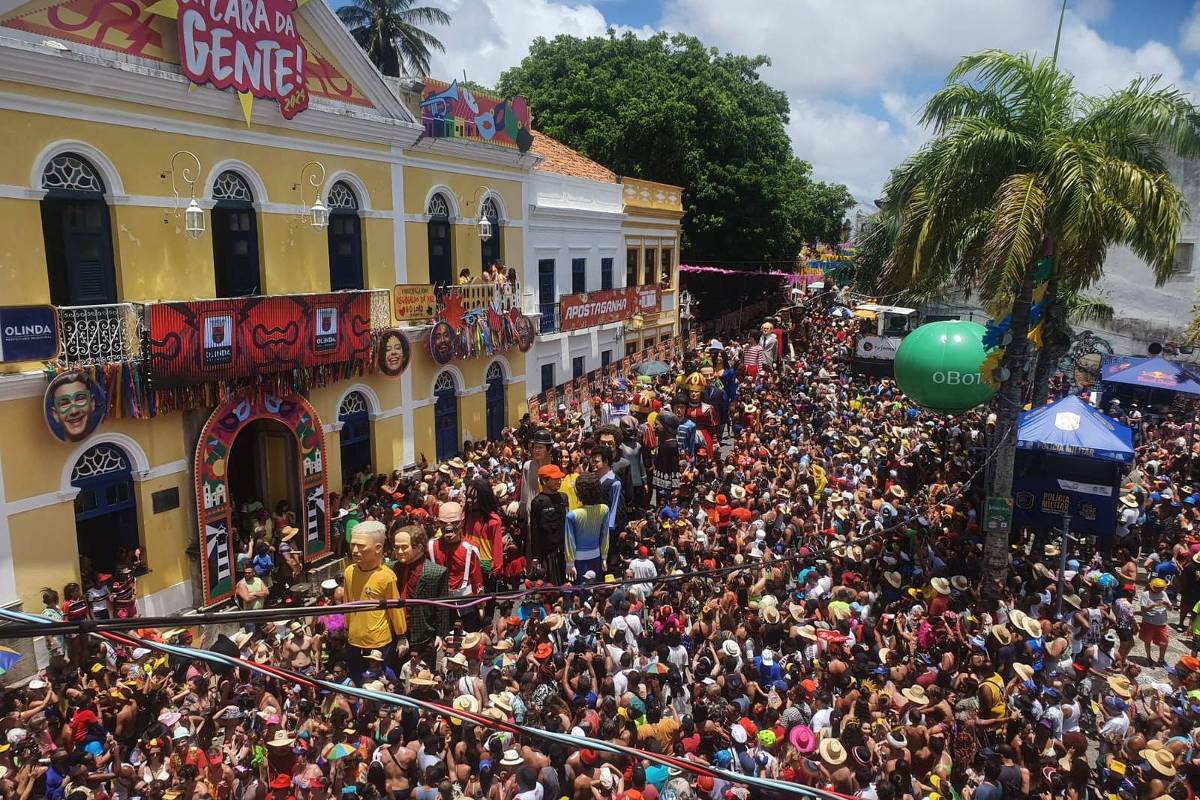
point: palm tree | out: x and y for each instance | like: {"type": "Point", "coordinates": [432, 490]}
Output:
{"type": "Point", "coordinates": [1022, 166]}
{"type": "Point", "coordinates": [391, 33]}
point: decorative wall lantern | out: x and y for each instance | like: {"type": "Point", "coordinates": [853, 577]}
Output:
{"type": "Point", "coordinates": [313, 173]}
{"type": "Point", "coordinates": [193, 215]}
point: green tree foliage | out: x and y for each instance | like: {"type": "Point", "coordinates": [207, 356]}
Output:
{"type": "Point", "coordinates": [392, 33]}
{"type": "Point", "coordinates": [672, 110]}
{"type": "Point", "coordinates": [1022, 166]}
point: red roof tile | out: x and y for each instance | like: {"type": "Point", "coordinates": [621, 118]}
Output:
{"type": "Point", "coordinates": [562, 160]}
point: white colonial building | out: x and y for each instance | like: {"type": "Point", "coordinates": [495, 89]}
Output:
{"type": "Point", "coordinates": [575, 246]}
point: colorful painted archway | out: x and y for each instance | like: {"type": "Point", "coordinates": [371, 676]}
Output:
{"type": "Point", "coordinates": [214, 508]}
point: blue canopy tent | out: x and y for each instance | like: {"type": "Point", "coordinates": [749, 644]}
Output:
{"type": "Point", "coordinates": [1070, 460]}
{"type": "Point", "coordinates": [1150, 373]}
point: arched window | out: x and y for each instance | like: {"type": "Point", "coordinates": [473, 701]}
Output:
{"type": "Point", "coordinates": [492, 249]}
{"type": "Point", "coordinates": [77, 233]}
{"type": "Point", "coordinates": [345, 239]}
{"type": "Point", "coordinates": [106, 506]}
{"type": "Point", "coordinates": [235, 237]}
{"type": "Point", "coordinates": [445, 416]}
{"type": "Point", "coordinates": [495, 401]}
{"type": "Point", "coordinates": [441, 255]}
{"type": "Point", "coordinates": [355, 435]}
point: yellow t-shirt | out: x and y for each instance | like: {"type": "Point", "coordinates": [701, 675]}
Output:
{"type": "Point", "coordinates": [567, 487]}
{"type": "Point", "coordinates": [374, 629]}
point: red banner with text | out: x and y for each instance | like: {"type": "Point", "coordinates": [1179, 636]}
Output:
{"type": "Point", "coordinates": [588, 309]}
{"type": "Point", "coordinates": [215, 340]}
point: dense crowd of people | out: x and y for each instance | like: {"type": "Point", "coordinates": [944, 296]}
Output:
{"type": "Point", "coordinates": [757, 561]}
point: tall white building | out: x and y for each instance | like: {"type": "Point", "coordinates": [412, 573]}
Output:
{"type": "Point", "coordinates": [574, 266]}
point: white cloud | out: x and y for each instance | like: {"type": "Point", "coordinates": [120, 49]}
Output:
{"type": "Point", "coordinates": [846, 145]}
{"type": "Point", "coordinates": [855, 74]}
{"type": "Point", "coordinates": [818, 46]}
{"type": "Point", "coordinates": [1189, 37]}
{"type": "Point", "coordinates": [489, 36]}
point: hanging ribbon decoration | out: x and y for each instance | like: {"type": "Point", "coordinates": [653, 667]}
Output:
{"type": "Point", "coordinates": [997, 330]}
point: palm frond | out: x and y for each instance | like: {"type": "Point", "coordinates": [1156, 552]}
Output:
{"type": "Point", "coordinates": [1082, 307]}
{"type": "Point", "coordinates": [1016, 231]}
{"type": "Point", "coordinates": [425, 15]}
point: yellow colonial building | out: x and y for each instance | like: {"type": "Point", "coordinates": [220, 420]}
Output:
{"type": "Point", "coordinates": [221, 268]}
{"type": "Point", "coordinates": [652, 225]}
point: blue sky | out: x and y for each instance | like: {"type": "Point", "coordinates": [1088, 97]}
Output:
{"type": "Point", "coordinates": [855, 71]}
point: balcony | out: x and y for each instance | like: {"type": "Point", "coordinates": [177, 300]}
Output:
{"type": "Point", "coordinates": [548, 318]}
{"type": "Point", "coordinates": [107, 334]}
{"type": "Point", "coordinates": [218, 339]}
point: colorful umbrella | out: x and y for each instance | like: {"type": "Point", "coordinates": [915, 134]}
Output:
{"type": "Point", "coordinates": [8, 659]}
{"type": "Point", "coordinates": [657, 668]}
{"type": "Point", "coordinates": [340, 751]}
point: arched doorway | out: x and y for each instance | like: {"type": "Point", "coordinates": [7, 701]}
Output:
{"type": "Point", "coordinates": [495, 401]}
{"type": "Point", "coordinates": [263, 472]}
{"type": "Point", "coordinates": [355, 435]}
{"type": "Point", "coordinates": [445, 416]}
{"type": "Point", "coordinates": [221, 472]}
{"type": "Point", "coordinates": [106, 523]}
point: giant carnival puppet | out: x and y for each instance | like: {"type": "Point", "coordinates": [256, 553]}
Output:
{"type": "Point", "coordinates": [703, 414]}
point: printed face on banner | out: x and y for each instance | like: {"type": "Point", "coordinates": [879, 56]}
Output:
{"type": "Point", "coordinates": [249, 45]}
{"type": "Point", "coordinates": [394, 353]}
{"type": "Point", "coordinates": [75, 406]}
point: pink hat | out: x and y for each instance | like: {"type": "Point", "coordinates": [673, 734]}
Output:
{"type": "Point", "coordinates": [802, 739]}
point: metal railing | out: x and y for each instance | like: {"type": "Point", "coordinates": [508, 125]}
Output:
{"type": "Point", "coordinates": [105, 334]}
{"type": "Point", "coordinates": [549, 318]}
{"type": "Point", "coordinates": [502, 296]}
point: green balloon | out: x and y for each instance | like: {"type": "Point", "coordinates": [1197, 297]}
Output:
{"type": "Point", "coordinates": [937, 366]}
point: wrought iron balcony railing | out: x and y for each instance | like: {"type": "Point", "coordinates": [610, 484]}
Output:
{"type": "Point", "coordinates": [104, 334]}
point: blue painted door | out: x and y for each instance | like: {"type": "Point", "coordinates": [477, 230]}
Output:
{"type": "Point", "coordinates": [445, 424]}
{"type": "Point", "coordinates": [495, 407]}
{"type": "Point", "coordinates": [546, 293]}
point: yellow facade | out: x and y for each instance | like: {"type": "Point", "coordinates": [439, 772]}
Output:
{"type": "Point", "coordinates": [130, 133]}
{"type": "Point", "coordinates": [653, 223]}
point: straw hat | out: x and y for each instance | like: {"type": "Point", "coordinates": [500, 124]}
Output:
{"type": "Point", "coordinates": [1121, 686]}
{"type": "Point", "coordinates": [808, 632]}
{"type": "Point", "coordinates": [1024, 671]}
{"type": "Point", "coordinates": [940, 585]}
{"type": "Point", "coordinates": [241, 639]}
{"type": "Point", "coordinates": [832, 752]}
{"type": "Point", "coordinates": [459, 659]}
{"type": "Point", "coordinates": [916, 695]}
{"type": "Point", "coordinates": [1032, 627]}
{"type": "Point", "coordinates": [503, 646]}
{"type": "Point", "coordinates": [894, 579]}
{"type": "Point", "coordinates": [280, 739]}
{"type": "Point", "coordinates": [289, 532]}
{"type": "Point", "coordinates": [502, 701]}
{"type": "Point", "coordinates": [554, 621]}
{"type": "Point", "coordinates": [423, 678]}
{"type": "Point", "coordinates": [511, 758]}
{"type": "Point", "coordinates": [471, 641]}
{"type": "Point", "coordinates": [1161, 761]}
{"type": "Point", "coordinates": [960, 583]}
{"type": "Point", "coordinates": [467, 703]}
{"type": "Point", "coordinates": [1017, 618]}
{"type": "Point", "coordinates": [770, 615]}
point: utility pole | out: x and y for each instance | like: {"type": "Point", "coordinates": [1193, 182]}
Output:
{"type": "Point", "coordinates": [1062, 565]}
